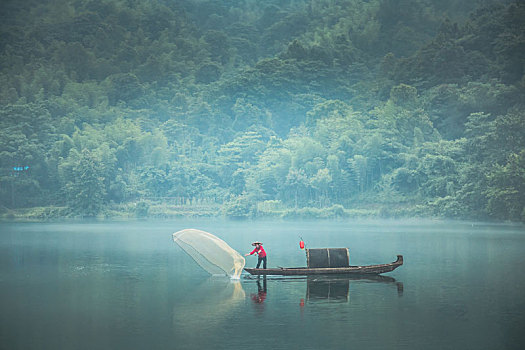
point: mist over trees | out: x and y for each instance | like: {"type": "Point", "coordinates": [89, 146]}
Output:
{"type": "Point", "coordinates": [248, 108]}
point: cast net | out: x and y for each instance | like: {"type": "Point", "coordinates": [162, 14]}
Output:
{"type": "Point", "coordinates": [210, 252]}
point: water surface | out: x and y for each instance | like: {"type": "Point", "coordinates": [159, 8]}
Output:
{"type": "Point", "coordinates": [126, 285]}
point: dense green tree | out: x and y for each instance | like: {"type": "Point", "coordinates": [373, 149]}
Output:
{"type": "Point", "coordinates": [506, 188]}
{"type": "Point", "coordinates": [84, 185]}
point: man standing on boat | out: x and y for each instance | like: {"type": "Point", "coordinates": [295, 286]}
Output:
{"type": "Point", "coordinates": [259, 250]}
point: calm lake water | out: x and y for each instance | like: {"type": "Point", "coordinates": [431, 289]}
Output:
{"type": "Point", "coordinates": [126, 285]}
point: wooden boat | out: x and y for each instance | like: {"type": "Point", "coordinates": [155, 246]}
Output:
{"type": "Point", "coordinates": [344, 270]}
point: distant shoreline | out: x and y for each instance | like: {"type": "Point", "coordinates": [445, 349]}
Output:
{"type": "Point", "coordinates": [164, 212]}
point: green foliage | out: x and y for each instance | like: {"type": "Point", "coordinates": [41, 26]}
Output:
{"type": "Point", "coordinates": [403, 95]}
{"type": "Point", "coordinates": [505, 190]}
{"type": "Point", "coordinates": [84, 188]}
{"type": "Point", "coordinates": [239, 207]}
{"type": "Point", "coordinates": [141, 210]}
{"type": "Point", "coordinates": [285, 108]}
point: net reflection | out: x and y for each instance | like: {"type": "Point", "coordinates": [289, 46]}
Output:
{"type": "Point", "coordinates": [214, 299]}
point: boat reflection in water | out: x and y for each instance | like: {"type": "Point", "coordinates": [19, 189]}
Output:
{"type": "Point", "coordinates": [331, 288]}
{"type": "Point", "coordinates": [337, 289]}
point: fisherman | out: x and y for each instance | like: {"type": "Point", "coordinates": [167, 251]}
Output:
{"type": "Point", "coordinates": [259, 250]}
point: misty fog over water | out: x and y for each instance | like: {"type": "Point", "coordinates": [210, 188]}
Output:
{"type": "Point", "coordinates": [127, 285]}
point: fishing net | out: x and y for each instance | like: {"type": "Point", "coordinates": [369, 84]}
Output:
{"type": "Point", "coordinates": [210, 252]}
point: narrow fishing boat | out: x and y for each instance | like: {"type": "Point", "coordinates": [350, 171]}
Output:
{"type": "Point", "coordinates": [328, 261]}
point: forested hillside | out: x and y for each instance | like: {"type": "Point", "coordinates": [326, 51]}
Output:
{"type": "Point", "coordinates": [245, 108]}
